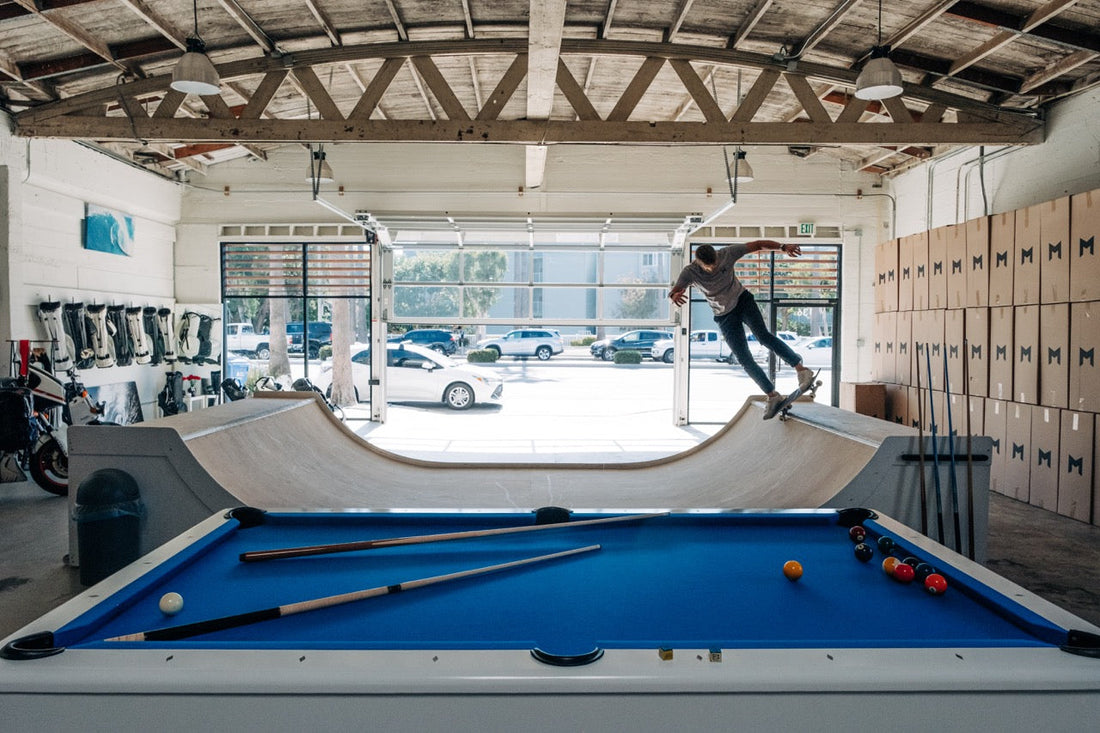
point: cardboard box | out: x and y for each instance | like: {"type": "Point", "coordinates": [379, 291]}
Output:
{"type": "Point", "coordinates": [878, 345]}
{"type": "Point", "coordinates": [1017, 478]}
{"type": "Point", "coordinates": [889, 347]}
{"type": "Point", "coordinates": [1001, 352]}
{"type": "Point", "coordinates": [1084, 356]}
{"type": "Point", "coordinates": [1002, 234]}
{"type": "Point", "coordinates": [954, 349]}
{"type": "Point", "coordinates": [921, 272]}
{"type": "Point", "coordinates": [1054, 355]}
{"type": "Point", "coordinates": [1025, 368]}
{"type": "Point", "coordinates": [897, 404]}
{"type": "Point", "coordinates": [886, 280]}
{"type": "Point", "coordinates": [957, 266]}
{"type": "Point", "coordinates": [1054, 259]}
{"type": "Point", "coordinates": [1084, 260]}
{"type": "Point", "coordinates": [994, 425]}
{"type": "Point", "coordinates": [977, 350]}
{"type": "Point", "coordinates": [903, 367]}
{"type": "Point", "coordinates": [934, 411]}
{"type": "Point", "coordinates": [865, 398]}
{"type": "Point", "coordinates": [906, 272]}
{"type": "Point", "coordinates": [1096, 475]}
{"type": "Point", "coordinates": [1077, 463]}
{"type": "Point", "coordinates": [1046, 424]}
{"type": "Point", "coordinates": [977, 257]}
{"type": "Point", "coordinates": [914, 407]}
{"type": "Point", "coordinates": [975, 416]}
{"type": "Point", "coordinates": [937, 267]}
{"type": "Point", "coordinates": [934, 329]}
{"type": "Point", "coordinates": [1025, 260]}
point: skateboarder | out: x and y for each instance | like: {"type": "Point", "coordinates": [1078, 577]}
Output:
{"type": "Point", "coordinates": [735, 307]}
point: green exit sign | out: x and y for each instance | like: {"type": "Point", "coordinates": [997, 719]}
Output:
{"type": "Point", "coordinates": [806, 229]}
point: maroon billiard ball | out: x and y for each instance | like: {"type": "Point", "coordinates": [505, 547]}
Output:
{"type": "Point", "coordinates": [857, 534]}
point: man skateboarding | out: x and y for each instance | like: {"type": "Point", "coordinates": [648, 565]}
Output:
{"type": "Point", "coordinates": [735, 308]}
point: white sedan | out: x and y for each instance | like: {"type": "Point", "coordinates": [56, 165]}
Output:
{"type": "Point", "coordinates": [417, 374]}
{"type": "Point", "coordinates": [816, 351]}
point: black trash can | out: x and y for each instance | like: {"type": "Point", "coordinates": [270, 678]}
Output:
{"type": "Point", "coordinates": [108, 515]}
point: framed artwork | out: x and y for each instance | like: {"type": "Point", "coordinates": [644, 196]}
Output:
{"type": "Point", "coordinates": [107, 230]}
{"type": "Point", "coordinates": [122, 404]}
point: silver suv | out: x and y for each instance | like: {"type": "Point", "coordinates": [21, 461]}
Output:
{"type": "Point", "coordinates": [540, 342]}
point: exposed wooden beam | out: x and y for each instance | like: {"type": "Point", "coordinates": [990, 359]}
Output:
{"type": "Point", "coordinates": [81, 36]}
{"type": "Point", "coordinates": [259, 100]}
{"type": "Point", "coordinates": [605, 27]}
{"type": "Point", "coordinates": [678, 19]}
{"type": "Point", "coordinates": [377, 87]}
{"type": "Point", "coordinates": [807, 98]}
{"type": "Point", "coordinates": [1062, 66]}
{"type": "Point", "coordinates": [1003, 38]}
{"type": "Point", "coordinates": [504, 89]}
{"type": "Point", "coordinates": [251, 27]}
{"type": "Point", "coordinates": [636, 89]}
{"type": "Point", "coordinates": [398, 23]}
{"type": "Point", "coordinates": [974, 130]}
{"type": "Point", "coordinates": [749, 23]}
{"type": "Point", "coordinates": [826, 27]}
{"type": "Point", "coordinates": [316, 91]}
{"type": "Point", "coordinates": [469, 18]}
{"type": "Point", "coordinates": [157, 22]}
{"type": "Point", "coordinates": [697, 88]}
{"type": "Point", "coordinates": [325, 22]}
{"type": "Point", "coordinates": [575, 93]}
{"type": "Point", "coordinates": [543, 49]}
{"type": "Point", "coordinates": [441, 90]}
{"type": "Point", "coordinates": [759, 91]}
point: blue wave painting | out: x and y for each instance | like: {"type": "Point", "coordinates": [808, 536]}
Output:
{"type": "Point", "coordinates": [106, 230]}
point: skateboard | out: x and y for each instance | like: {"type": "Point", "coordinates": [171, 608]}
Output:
{"type": "Point", "coordinates": [785, 405]}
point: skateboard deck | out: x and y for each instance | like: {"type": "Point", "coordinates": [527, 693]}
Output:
{"type": "Point", "coordinates": [785, 405]}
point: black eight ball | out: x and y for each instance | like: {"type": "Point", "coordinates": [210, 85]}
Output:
{"type": "Point", "coordinates": [863, 552]}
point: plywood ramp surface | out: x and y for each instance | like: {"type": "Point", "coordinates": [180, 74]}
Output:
{"type": "Point", "coordinates": [289, 451]}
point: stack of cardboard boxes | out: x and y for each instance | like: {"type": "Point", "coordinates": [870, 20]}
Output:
{"type": "Point", "coordinates": [1011, 302]}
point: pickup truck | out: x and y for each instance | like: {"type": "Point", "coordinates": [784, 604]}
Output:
{"type": "Point", "coordinates": [711, 345]}
{"type": "Point", "coordinates": [240, 337]}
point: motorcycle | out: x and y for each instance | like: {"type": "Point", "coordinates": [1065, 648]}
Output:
{"type": "Point", "coordinates": [45, 454]}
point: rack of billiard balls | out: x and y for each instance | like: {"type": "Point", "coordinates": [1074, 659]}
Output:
{"type": "Point", "coordinates": [904, 571]}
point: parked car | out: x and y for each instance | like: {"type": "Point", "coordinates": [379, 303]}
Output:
{"type": "Point", "coordinates": [418, 374]}
{"type": "Point", "coordinates": [701, 345]}
{"type": "Point", "coordinates": [641, 340]}
{"type": "Point", "coordinates": [320, 334]}
{"type": "Point", "coordinates": [816, 351]}
{"type": "Point", "coordinates": [539, 342]}
{"type": "Point", "coordinates": [241, 338]}
{"type": "Point", "coordinates": [436, 339]}
{"type": "Point", "coordinates": [761, 352]}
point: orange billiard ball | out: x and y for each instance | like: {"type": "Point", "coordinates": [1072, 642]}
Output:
{"type": "Point", "coordinates": [889, 564]}
{"type": "Point", "coordinates": [792, 569]}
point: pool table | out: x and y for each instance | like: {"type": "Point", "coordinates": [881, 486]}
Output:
{"type": "Point", "coordinates": [681, 619]}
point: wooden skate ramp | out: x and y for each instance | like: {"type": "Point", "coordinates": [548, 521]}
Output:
{"type": "Point", "coordinates": [287, 450]}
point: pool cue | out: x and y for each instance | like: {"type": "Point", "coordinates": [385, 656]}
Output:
{"type": "Point", "coordinates": [951, 444]}
{"type": "Point", "coordinates": [258, 555]}
{"type": "Point", "coordinates": [969, 457]}
{"type": "Point", "coordinates": [935, 446]}
{"type": "Point", "coordinates": [920, 438]}
{"type": "Point", "coordinates": [184, 631]}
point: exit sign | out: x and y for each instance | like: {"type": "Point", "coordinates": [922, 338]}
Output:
{"type": "Point", "coordinates": [806, 229]}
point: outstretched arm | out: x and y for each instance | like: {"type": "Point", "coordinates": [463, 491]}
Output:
{"type": "Point", "coordinates": [792, 250]}
{"type": "Point", "coordinates": [678, 295]}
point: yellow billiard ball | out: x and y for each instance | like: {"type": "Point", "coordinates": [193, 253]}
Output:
{"type": "Point", "coordinates": [792, 569]}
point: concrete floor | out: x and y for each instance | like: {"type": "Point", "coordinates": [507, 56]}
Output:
{"type": "Point", "coordinates": [1055, 557]}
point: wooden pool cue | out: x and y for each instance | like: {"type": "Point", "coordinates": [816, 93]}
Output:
{"type": "Point", "coordinates": [184, 631]}
{"type": "Point", "coordinates": [258, 555]}
{"type": "Point", "coordinates": [920, 459]}
{"type": "Point", "coordinates": [951, 451]}
{"type": "Point", "coordinates": [969, 459]}
{"type": "Point", "coordinates": [935, 447]}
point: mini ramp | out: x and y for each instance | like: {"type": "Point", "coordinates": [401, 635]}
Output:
{"type": "Point", "coordinates": [287, 451]}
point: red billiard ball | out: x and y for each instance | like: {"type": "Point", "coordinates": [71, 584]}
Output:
{"type": "Point", "coordinates": [857, 534]}
{"type": "Point", "coordinates": [792, 569]}
{"type": "Point", "coordinates": [903, 573]}
{"type": "Point", "coordinates": [935, 584]}
{"type": "Point", "coordinates": [889, 564]}
{"type": "Point", "coordinates": [864, 552]}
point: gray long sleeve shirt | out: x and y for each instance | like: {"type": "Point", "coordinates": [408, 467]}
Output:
{"type": "Point", "coordinates": [721, 287]}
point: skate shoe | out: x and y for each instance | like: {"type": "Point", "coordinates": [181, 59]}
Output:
{"type": "Point", "coordinates": [805, 379]}
{"type": "Point", "coordinates": [772, 408]}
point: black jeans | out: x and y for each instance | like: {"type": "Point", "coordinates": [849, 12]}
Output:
{"type": "Point", "coordinates": [732, 325]}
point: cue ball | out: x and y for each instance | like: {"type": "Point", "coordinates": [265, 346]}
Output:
{"type": "Point", "coordinates": [792, 569]}
{"type": "Point", "coordinates": [864, 552]}
{"type": "Point", "coordinates": [857, 534]}
{"type": "Point", "coordinates": [171, 604]}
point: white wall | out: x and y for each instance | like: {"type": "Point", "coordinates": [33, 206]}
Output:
{"type": "Point", "coordinates": [1067, 162]}
{"type": "Point", "coordinates": [47, 185]}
